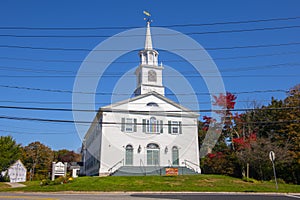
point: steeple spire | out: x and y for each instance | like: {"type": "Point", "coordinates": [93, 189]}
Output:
{"type": "Point", "coordinates": [148, 41]}
{"type": "Point", "coordinates": [149, 73]}
{"type": "Point", "coordinates": [148, 55]}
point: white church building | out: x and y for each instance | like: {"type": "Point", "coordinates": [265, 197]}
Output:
{"type": "Point", "coordinates": [148, 134]}
{"type": "Point", "coordinates": [16, 172]}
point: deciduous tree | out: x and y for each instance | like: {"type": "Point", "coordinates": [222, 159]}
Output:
{"type": "Point", "coordinates": [37, 158]}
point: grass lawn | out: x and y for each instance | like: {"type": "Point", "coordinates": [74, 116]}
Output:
{"type": "Point", "coordinates": [3, 186]}
{"type": "Point", "coordinates": [199, 183]}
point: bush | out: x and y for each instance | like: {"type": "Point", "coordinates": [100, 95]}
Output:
{"type": "Point", "coordinates": [249, 180]}
{"type": "Point", "coordinates": [58, 181]}
{"type": "Point", "coordinates": [4, 178]}
{"type": "Point", "coordinates": [45, 182]}
{"type": "Point", "coordinates": [279, 180]}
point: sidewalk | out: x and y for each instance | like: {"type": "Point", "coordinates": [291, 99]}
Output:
{"type": "Point", "coordinates": [16, 185]}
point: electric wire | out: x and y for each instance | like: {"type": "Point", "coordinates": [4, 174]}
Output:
{"type": "Point", "coordinates": [111, 93]}
{"type": "Point", "coordinates": [134, 62]}
{"type": "Point", "coordinates": [119, 123]}
{"type": "Point", "coordinates": [121, 50]}
{"type": "Point", "coordinates": [151, 111]}
{"type": "Point", "coordinates": [172, 25]}
{"type": "Point", "coordinates": [158, 34]}
{"type": "Point", "coordinates": [115, 74]}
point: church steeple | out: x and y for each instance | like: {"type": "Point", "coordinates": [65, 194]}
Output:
{"type": "Point", "coordinates": [148, 56]}
{"type": "Point", "coordinates": [149, 74]}
{"type": "Point", "coordinates": [148, 41]}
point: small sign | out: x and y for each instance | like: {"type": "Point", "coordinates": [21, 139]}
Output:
{"type": "Point", "coordinates": [272, 156]}
{"type": "Point", "coordinates": [171, 171]}
{"type": "Point", "coordinates": [59, 169]}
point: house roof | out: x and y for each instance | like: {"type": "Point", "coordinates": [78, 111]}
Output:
{"type": "Point", "coordinates": [18, 161]}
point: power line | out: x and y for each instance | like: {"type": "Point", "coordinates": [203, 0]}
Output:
{"type": "Point", "coordinates": [130, 27]}
{"type": "Point", "coordinates": [160, 34]}
{"type": "Point", "coordinates": [118, 123]}
{"type": "Point", "coordinates": [41, 132]}
{"type": "Point", "coordinates": [110, 93]}
{"type": "Point", "coordinates": [114, 50]}
{"type": "Point", "coordinates": [107, 103]}
{"type": "Point", "coordinates": [173, 60]}
{"type": "Point", "coordinates": [114, 74]}
{"type": "Point", "coordinates": [190, 76]}
{"type": "Point", "coordinates": [133, 111]}
{"type": "Point", "coordinates": [33, 129]}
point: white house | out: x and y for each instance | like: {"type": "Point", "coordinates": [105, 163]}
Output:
{"type": "Point", "coordinates": [146, 133]}
{"type": "Point", "coordinates": [16, 172]}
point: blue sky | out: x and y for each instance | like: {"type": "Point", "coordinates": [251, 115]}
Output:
{"type": "Point", "coordinates": [249, 69]}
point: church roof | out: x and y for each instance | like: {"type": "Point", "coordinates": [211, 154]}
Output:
{"type": "Point", "coordinates": [117, 107]}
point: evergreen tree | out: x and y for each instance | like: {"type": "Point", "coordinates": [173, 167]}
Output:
{"type": "Point", "coordinates": [9, 152]}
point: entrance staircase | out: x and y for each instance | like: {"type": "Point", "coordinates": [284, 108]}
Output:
{"type": "Point", "coordinates": [150, 171]}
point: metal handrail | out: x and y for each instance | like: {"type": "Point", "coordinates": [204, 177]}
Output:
{"type": "Point", "coordinates": [110, 169]}
{"type": "Point", "coordinates": [142, 166]}
{"type": "Point", "coordinates": [189, 166]}
{"type": "Point", "coordinates": [170, 163]}
{"type": "Point", "coordinates": [156, 163]}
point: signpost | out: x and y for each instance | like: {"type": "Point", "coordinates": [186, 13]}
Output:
{"type": "Point", "coordinates": [59, 169]}
{"type": "Point", "coordinates": [272, 158]}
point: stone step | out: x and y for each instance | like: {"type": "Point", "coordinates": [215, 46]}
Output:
{"type": "Point", "coordinates": [149, 171]}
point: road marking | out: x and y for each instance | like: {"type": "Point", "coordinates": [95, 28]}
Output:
{"type": "Point", "coordinates": [27, 197]}
{"type": "Point", "coordinates": [293, 196]}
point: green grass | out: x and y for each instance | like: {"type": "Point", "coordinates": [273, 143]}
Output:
{"type": "Point", "coordinates": [199, 183]}
{"type": "Point", "coordinates": [3, 186]}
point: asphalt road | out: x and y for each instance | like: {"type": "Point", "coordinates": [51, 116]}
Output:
{"type": "Point", "coordinates": [145, 196]}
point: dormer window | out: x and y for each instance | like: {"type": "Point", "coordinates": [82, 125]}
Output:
{"type": "Point", "coordinates": [153, 104]}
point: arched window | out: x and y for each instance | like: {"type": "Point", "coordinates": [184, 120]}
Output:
{"type": "Point", "coordinates": [153, 104]}
{"type": "Point", "coordinates": [152, 154]}
{"type": "Point", "coordinates": [152, 128]}
{"type": "Point", "coordinates": [175, 156]}
{"type": "Point", "coordinates": [152, 76]}
{"type": "Point", "coordinates": [152, 125]}
{"type": "Point", "coordinates": [129, 155]}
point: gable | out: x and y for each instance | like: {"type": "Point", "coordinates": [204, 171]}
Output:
{"type": "Point", "coordinates": [150, 102]}
{"type": "Point", "coordinates": [18, 163]}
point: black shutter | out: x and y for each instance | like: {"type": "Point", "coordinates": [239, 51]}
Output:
{"type": "Point", "coordinates": [123, 124]}
{"type": "Point", "coordinates": [161, 126]}
{"type": "Point", "coordinates": [180, 128]}
{"type": "Point", "coordinates": [169, 127]}
{"type": "Point", "coordinates": [144, 125]}
{"type": "Point", "coordinates": [134, 125]}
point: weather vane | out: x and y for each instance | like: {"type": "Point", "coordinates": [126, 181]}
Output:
{"type": "Point", "coordinates": [148, 15]}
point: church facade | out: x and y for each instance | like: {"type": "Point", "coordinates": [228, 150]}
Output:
{"type": "Point", "coordinates": [148, 130]}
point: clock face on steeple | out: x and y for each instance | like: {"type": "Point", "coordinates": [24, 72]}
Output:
{"type": "Point", "coordinates": [152, 76]}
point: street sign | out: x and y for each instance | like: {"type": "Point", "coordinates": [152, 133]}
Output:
{"type": "Point", "coordinates": [272, 156]}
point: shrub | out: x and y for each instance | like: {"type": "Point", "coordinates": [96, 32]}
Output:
{"type": "Point", "coordinates": [45, 182]}
{"type": "Point", "coordinates": [279, 180]}
{"type": "Point", "coordinates": [4, 178]}
{"type": "Point", "coordinates": [250, 180]}
{"type": "Point", "coordinates": [58, 181]}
